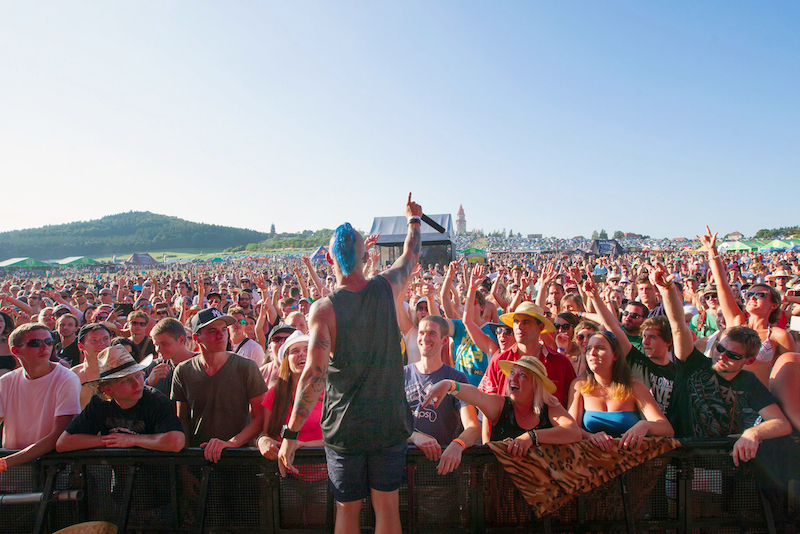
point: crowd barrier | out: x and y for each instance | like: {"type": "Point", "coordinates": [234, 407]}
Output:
{"type": "Point", "coordinates": [695, 488]}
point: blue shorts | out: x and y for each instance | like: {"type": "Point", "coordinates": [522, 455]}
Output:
{"type": "Point", "coordinates": [352, 475]}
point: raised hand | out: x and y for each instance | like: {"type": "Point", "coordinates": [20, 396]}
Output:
{"type": "Point", "coordinates": [370, 241]}
{"type": "Point", "coordinates": [708, 240]}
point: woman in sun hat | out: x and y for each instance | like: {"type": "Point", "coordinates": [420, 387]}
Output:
{"type": "Point", "coordinates": [279, 399]}
{"type": "Point", "coordinates": [608, 403]}
{"type": "Point", "coordinates": [528, 415]}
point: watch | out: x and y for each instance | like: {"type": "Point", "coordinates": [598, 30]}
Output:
{"type": "Point", "coordinates": [287, 433]}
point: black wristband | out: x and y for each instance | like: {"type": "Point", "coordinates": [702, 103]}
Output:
{"type": "Point", "coordinates": [286, 433]}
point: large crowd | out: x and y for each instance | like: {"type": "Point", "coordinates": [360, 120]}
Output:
{"type": "Point", "coordinates": [532, 348]}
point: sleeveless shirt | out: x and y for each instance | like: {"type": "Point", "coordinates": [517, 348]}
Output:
{"type": "Point", "coordinates": [365, 401]}
{"type": "Point", "coordinates": [507, 426]}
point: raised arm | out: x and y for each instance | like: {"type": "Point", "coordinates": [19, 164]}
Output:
{"type": "Point", "coordinates": [682, 342]}
{"type": "Point", "coordinates": [483, 342]}
{"type": "Point", "coordinates": [322, 329]}
{"type": "Point", "coordinates": [314, 276]}
{"type": "Point", "coordinates": [450, 310]}
{"type": "Point", "coordinates": [398, 274]}
{"type": "Point", "coordinates": [498, 287]}
{"type": "Point", "coordinates": [607, 316]}
{"type": "Point", "coordinates": [734, 316]}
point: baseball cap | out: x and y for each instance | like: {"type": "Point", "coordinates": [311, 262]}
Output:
{"type": "Point", "coordinates": [206, 316]}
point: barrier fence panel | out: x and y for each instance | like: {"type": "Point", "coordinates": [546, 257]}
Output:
{"type": "Point", "coordinates": [695, 488]}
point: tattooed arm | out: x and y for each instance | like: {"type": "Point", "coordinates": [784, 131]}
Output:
{"type": "Point", "coordinates": [322, 329]}
{"type": "Point", "coordinates": [398, 274]}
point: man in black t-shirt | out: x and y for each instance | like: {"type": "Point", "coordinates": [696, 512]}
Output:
{"type": "Point", "coordinates": [718, 399]}
{"type": "Point", "coordinates": [128, 415]}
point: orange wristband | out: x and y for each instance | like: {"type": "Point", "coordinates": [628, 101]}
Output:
{"type": "Point", "coordinates": [460, 442]}
{"type": "Point", "coordinates": [4, 464]}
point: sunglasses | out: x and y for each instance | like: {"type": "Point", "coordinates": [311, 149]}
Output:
{"type": "Point", "coordinates": [138, 323]}
{"type": "Point", "coordinates": [709, 296]}
{"type": "Point", "coordinates": [731, 355]}
{"type": "Point", "coordinates": [279, 340]}
{"type": "Point", "coordinates": [632, 314]}
{"type": "Point", "coordinates": [560, 327]}
{"type": "Point", "coordinates": [242, 321]}
{"type": "Point", "coordinates": [35, 343]}
{"type": "Point", "coordinates": [504, 332]}
{"type": "Point", "coordinates": [583, 337]}
{"type": "Point", "coordinates": [759, 295]}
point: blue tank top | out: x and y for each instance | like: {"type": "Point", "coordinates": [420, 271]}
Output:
{"type": "Point", "coordinates": [612, 423]}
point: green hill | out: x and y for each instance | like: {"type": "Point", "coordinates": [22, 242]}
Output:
{"type": "Point", "coordinates": [123, 233]}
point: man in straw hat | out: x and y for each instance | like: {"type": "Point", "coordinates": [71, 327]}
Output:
{"type": "Point", "coordinates": [528, 322]}
{"type": "Point", "coordinates": [125, 413]}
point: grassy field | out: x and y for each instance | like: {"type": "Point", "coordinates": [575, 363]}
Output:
{"type": "Point", "coordinates": [191, 254]}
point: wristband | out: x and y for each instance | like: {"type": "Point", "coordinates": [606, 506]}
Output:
{"type": "Point", "coordinates": [4, 464]}
{"type": "Point", "coordinates": [473, 288]}
{"type": "Point", "coordinates": [412, 220]}
{"type": "Point", "coordinates": [460, 442]}
{"type": "Point", "coordinates": [287, 433]}
{"type": "Point", "coordinates": [534, 437]}
{"type": "Point", "coordinates": [456, 390]}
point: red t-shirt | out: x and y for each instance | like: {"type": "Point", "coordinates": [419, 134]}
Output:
{"type": "Point", "coordinates": [559, 370]}
{"type": "Point", "coordinates": [311, 430]}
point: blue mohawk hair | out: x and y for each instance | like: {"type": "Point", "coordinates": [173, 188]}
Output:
{"type": "Point", "coordinates": [344, 248]}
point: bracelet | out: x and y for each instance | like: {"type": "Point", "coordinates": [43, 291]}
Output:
{"type": "Point", "coordinates": [580, 314]}
{"type": "Point", "coordinates": [534, 437]}
{"type": "Point", "coordinates": [412, 220]}
{"type": "Point", "coordinates": [4, 464]}
{"type": "Point", "coordinates": [473, 288]}
{"type": "Point", "coordinates": [456, 390]}
{"type": "Point", "coordinates": [460, 442]}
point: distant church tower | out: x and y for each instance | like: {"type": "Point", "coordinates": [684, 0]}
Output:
{"type": "Point", "coordinates": [461, 222]}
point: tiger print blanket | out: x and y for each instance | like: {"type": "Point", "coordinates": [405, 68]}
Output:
{"type": "Point", "coordinates": [551, 475]}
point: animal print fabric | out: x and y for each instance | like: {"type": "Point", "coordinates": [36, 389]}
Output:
{"type": "Point", "coordinates": [551, 475]}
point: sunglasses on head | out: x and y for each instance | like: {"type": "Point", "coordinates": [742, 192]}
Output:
{"type": "Point", "coordinates": [731, 355]}
{"type": "Point", "coordinates": [35, 343]}
{"type": "Point", "coordinates": [632, 314]}
{"type": "Point", "coordinates": [759, 295]}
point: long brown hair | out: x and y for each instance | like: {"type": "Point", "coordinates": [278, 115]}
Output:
{"type": "Point", "coordinates": [282, 400]}
{"type": "Point", "coordinates": [621, 380]}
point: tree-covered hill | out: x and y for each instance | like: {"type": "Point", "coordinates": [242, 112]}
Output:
{"type": "Point", "coordinates": [134, 231]}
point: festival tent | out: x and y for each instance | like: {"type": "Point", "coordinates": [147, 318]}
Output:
{"type": "Point", "coordinates": [436, 247]}
{"type": "Point", "coordinates": [76, 260]}
{"type": "Point", "coordinates": [141, 259]}
{"type": "Point", "coordinates": [775, 244]}
{"type": "Point", "coordinates": [14, 263]}
{"type": "Point", "coordinates": [732, 246]}
{"type": "Point", "coordinates": [474, 255]}
{"type": "Point", "coordinates": [319, 254]}
{"type": "Point", "coordinates": [752, 243]}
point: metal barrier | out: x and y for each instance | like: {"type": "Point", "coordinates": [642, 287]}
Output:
{"type": "Point", "coordinates": [693, 488]}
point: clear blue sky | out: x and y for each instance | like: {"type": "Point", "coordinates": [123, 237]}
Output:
{"type": "Point", "coordinates": [542, 117]}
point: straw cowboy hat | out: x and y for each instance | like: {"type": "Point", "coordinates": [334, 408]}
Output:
{"type": "Point", "coordinates": [532, 363]}
{"type": "Point", "coordinates": [531, 310]}
{"type": "Point", "coordinates": [116, 362]}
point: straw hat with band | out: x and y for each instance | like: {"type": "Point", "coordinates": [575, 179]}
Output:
{"type": "Point", "coordinates": [532, 363]}
{"type": "Point", "coordinates": [531, 310]}
{"type": "Point", "coordinates": [116, 362]}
